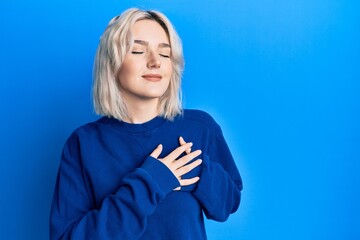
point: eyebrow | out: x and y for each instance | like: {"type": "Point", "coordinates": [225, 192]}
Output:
{"type": "Point", "coordinates": [145, 43]}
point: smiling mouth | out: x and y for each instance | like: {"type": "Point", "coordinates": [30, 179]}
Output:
{"type": "Point", "coordinates": [152, 77]}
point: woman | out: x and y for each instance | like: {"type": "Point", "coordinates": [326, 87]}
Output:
{"type": "Point", "coordinates": [132, 174]}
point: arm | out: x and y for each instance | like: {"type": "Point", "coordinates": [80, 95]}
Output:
{"type": "Point", "coordinates": [220, 184]}
{"type": "Point", "coordinates": [123, 213]}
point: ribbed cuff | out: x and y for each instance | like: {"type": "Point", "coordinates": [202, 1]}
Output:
{"type": "Point", "coordinates": [161, 174]}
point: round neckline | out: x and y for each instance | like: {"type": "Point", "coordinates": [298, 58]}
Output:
{"type": "Point", "coordinates": [134, 127]}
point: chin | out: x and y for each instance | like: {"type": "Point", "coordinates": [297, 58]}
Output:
{"type": "Point", "coordinates": [156, 93]}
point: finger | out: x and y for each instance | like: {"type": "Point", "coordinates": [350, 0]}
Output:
{"type": "Point", "coordinates": [187, 182]}
{"type": "Point", "coordinates": [177, 152]}
{"type": "Point", "coordinates": [185, 159]}
{"type": "Point", "coordinates": [156, 153]}
{"type": "Point", "coordinates": [182, 142]}
{"type": "Point", "coordinates": [187, 168]}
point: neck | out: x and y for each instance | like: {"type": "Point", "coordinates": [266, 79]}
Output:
{"type": "Point", "coordinates": [142, 111]}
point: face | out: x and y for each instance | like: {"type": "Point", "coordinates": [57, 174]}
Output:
{"type": "Point", "coordinates": [146, 70]}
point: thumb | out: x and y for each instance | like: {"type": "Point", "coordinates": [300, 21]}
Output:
{"type": "Point", "coordinates": [156, 153]}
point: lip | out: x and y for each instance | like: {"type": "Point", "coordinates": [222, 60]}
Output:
{"type": "Point", "coordinates": [152, 77]}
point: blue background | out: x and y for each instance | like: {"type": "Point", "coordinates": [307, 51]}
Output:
{"type": "Point", "coordinates": [281, 77]}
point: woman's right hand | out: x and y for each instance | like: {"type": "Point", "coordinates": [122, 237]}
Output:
{"type": "Point", "coordinates": [180, 167]}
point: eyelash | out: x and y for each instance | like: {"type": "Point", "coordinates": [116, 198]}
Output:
{"type": "Point", "coordinates": [134, 52]}
{"type": "Point", "coordinates": [162, 55]}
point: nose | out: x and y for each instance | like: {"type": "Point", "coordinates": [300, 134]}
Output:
{"type": "Point", "coordinates": [153, 60]}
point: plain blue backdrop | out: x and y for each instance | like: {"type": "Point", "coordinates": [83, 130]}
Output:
{"type": "Point", "coordinates": [281, 77]}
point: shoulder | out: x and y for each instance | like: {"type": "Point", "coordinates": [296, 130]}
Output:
{"type": "Point", "coordinates": [83, 134]}
{"type": "Point", "coordinates": [86, 130]}
{"type": "Point", "coordinates": [89, 127]}
{"type": "Point", "coordinates": [200, 117]}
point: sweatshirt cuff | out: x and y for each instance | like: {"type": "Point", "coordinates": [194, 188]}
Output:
{"type": "Point", "coordinates": [161, 174]}
{"type": "Point", "coordinates": [205, 177]}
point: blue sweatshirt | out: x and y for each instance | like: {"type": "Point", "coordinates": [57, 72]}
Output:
{"type": "Point", "coordinates": [108, 186]}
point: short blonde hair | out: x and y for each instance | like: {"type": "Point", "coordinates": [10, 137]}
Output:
{"type": "Point", "coordinates": [115, 43]}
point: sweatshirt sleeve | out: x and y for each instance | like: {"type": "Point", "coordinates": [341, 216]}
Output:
{"type": "Point", "coordinates": [220, 184]}
{"type": "Point", "coordinates": [122, 215]}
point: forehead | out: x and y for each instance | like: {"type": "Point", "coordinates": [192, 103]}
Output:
{"type": "Point", "coordinates": [150, 31]}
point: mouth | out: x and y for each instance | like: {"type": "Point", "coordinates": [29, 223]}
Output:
{"type": "Point", "coordinates": [152, 77]}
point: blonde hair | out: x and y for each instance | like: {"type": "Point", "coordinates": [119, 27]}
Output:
{"type": "Point", "coordinates": [115, 43]}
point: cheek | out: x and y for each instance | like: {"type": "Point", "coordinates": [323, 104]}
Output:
{"type": "Point", "coordinates": [121, 77]}
{"type": "Point", "coordinates": [168, 76]}
{"type": "Point", "coordinates": [169, 69]}
{"type": "Point", "coordinates": [127, 71]}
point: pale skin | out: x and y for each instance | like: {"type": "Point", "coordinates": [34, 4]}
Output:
{"type": "Point", "coordinates": [180, 166]}
{"type": "Point", "coordinates": [144, 77]}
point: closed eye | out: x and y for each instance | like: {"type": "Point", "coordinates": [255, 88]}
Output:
{"type": "Point", "coordinates": [164, 55]}
{"type": "Point", "coordinates": [137, 52]}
